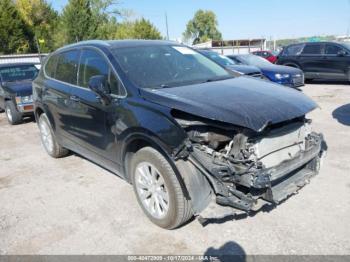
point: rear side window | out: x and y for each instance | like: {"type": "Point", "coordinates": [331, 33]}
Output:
{"type": "Point", "coordinates": [293, 50]}
{"type": "Point", "coordinates": [50, 66]}
{"type": "Point", "coordinates": [314, 49]}
{"type": "Point", "coordinates": [332, 49]}
{"type": "Point", "coordinates": [67, 65]}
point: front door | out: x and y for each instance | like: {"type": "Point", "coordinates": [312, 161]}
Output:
{"type": "Point", "coordinates": [93, 122]}
{"type": "Point", "coordinates": [311, 60]}
{"type": "Point", "coordinates": [336, 65]}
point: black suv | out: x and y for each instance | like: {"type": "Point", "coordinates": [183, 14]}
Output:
{"type": "Point", "coordinates": [321, 60]}
{"type": "Point", "coordinates": [176, 125]}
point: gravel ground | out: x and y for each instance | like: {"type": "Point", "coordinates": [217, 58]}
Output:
{"type": "Point", "coordinates": [72, 206]}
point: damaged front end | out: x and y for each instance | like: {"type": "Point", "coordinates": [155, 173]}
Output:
{"type": "Point", "coordinates": [247, 168]}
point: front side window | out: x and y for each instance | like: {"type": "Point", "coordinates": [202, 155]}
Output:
{"type": "Point", "coordinates": [314, 49]}
{"type": "Point", "coordinates": [165, 66]}
{"type": "Point", "coordinates": [18, 73]}
{"type": "Point", "coordinates": [67, 65]}
{"type": "Point", "coordinates": [332, 49]}
{"type": "Point", "coordinates": [92, 64]}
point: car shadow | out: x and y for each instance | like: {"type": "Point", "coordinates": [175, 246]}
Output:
{"type": "Point", "coordinates": [230, 251]}
{"type": "Point", "coordinates": [327, 82]}
{"type": "Point", "coordinates": [342, 114]}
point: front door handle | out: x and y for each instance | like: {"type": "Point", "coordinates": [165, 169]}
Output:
{"type": "Point", "coordinates": [74, 98]}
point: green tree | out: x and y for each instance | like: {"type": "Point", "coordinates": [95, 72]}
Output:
{"type": "Point", "coordinates": [77, 21]}
{"type": "Point", "coordinates": [144, 29]}
{"type": "Point", "coordinates": [14, 33]}
{"type": "Point", "coordinates": [202, 27]}
{"type": "Point", "coordinates": [88, 19]}
{"type": "Point", "coordinates": [42, 21]}
{"type": "Point", "coordinates": [138, 29]}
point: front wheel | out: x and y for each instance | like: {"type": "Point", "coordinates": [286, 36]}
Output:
{"type": "Point", "coordinates": [158, 190]}
{"type": "Point", "coordinates": [13, 116]}
{"type": "Point", "coordinates": [48, 138]}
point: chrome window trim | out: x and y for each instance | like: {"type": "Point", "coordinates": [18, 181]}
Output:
{"type": "Point", "coordinates": [80, 49]}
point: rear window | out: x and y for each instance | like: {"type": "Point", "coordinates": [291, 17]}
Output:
{"type": "Point", "coordinates": [18, 73]}
{"type": "Point", "coordinates": [314, 49]}
{"type": "Point", "coordinates": [293, 50]}
{"type": "Point", "coordinates": [67, 65]}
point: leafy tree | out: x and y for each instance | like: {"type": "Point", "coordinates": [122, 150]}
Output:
{"type": "Point", "coordinates": [41, 19]}
{"type": "Point", "coordinates": [138, 29]}
{"type": "Point", "coordinates": [77, 21]}
{"type": "Point", "coordinates": [14, 34]}
{"type": "Point", "coordinates": [88, 19]}
{"type": "Point", "coordinates": [202, 27]}
{"type": "Point", "coordinates": [144, 29]}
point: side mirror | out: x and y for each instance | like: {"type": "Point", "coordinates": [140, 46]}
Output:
{"type": "Point", "coordinates": [98, 84]}
{"type": "Point", "coordinates": [342, 53]}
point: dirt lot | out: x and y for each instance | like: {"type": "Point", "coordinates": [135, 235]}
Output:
{"type": "Point", "coordinates": [72, 206]}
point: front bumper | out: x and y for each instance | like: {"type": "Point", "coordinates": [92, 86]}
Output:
{"type": "Point", "coordinates": [295, 81]}
{"type": "Point", "coordinates": [272, 185]}
{"type": "Point", "coordinates": [25, 107]}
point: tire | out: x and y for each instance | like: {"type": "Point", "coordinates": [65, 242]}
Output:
{"type": "Point", "coordinates": [13, 116]}
{"type": "Point", "coordinates": [177, 210]}
{"type": "Point", "coordinates": [48, 138]}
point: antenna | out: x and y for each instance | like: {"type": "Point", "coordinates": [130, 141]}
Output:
{"type": "Point", "coordinates": [166, 24]}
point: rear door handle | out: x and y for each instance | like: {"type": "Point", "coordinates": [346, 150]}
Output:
{"type": "Point", "coordinates": [74, 98]}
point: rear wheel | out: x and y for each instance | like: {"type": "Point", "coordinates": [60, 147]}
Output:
{"type": "Point", "coordinates": [48, 138]}
{"type": "Point", "coordinates": [158, 190]}
{"type": "Point", "coordinates": [13, 116]}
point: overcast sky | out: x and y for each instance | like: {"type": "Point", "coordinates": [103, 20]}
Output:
{"type": "Point", "coordinates": [247, 19]}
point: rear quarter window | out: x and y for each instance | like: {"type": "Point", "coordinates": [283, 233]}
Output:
{"type": "Point", "coordinates": [50, 66]}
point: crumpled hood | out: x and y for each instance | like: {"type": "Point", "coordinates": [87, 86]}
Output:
{"type": "Point", "coordinates": [241, 101]}
{"type": "Point", "coordinates": [22, 88]}
{"type": "Point", "coordinates": [245, 69]}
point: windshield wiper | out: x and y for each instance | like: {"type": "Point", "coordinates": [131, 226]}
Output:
{"type": "Point", "coordinates": [215, 79]}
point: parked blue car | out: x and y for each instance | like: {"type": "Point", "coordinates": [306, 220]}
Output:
{"type": "Point", "coordinates": [284, 75]}
{"type": "Point", "coordinates": [231, 65]}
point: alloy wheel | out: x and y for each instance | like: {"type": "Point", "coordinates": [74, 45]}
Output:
{"type": "Point", "coordinates": [9, 114]}
{"type": "Point", "coordinates": [151, 189]}
{"type": "Point", "coordinates": [46, 136]}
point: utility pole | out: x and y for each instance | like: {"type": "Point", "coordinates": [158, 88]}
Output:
{"type": "Point", "coordinates": [348, 31]}
{"type": "Point", "coordinates": [166, 25]}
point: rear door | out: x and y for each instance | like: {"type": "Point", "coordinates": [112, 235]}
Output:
{"type": "Point", "coordinates": [61, 72]}
{"type": "Point", "coordinates": [311, 60]}
{"type": "Point", "coordinates": [336, 66]}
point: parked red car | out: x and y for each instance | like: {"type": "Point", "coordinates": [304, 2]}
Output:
{"type": "Point", "coordinates": [268, 55]}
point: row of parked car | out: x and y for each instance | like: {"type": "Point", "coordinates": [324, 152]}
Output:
{"type": "Point", "coordinates": [182, 126]}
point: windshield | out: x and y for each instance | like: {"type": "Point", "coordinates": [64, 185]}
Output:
{"type": "Point", "coordinates": [220, 59]}
{"type": "Point", "coordinates": [18, 73]}
{"type": "Point", "coordinates": [167, 66]}
{"type": "Point", "coordinates": [347, 45]}
{"type": "Point", "coordinates": [254, 60]}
